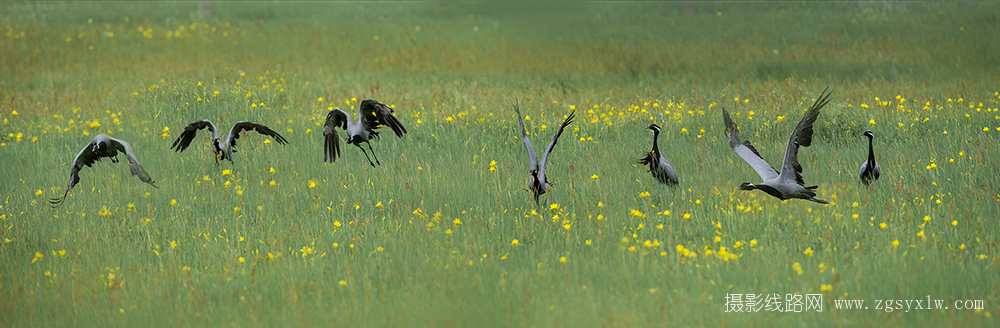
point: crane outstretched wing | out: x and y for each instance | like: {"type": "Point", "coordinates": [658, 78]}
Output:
{"type": "Point", "coordinates": [184, 140]}
{"type": "Point", "coordinates": [241, 126]}
{"type": "Point", "coordinates": [801, 136]}
{"type": "Point", "coordinates": [133, 163]}
{"type": "Point", "coordinates": [375, 114]}
{"type": "Point", "coordinates": [85, 157]}
{"type": "Point", "coordinates": [746, 150]}
{"type": "Point", "coordinates": [552, 145]}
{"type": "Point", "coordinates": [532, 158]}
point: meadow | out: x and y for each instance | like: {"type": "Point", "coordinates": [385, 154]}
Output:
{"type": "Point", "coordinates": [443, 233]}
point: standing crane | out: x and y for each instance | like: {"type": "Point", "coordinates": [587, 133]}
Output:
{"type": "Point", "coordinates": [659, 166]}
{"type": "Point", "coordinates": [869, 168]}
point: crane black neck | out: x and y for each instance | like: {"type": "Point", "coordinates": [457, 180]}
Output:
{"type": "Point", "coordinates": [871, 150]}
{"type": "Point", "coordinates": [656, 135]}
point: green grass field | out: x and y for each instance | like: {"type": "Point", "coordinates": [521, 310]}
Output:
{"type": "Point", "coordinates": [442, 233]}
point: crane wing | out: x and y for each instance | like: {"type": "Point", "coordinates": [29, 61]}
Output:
{"type": "Point", "coordinates": [552, 145]}
{"type": "Point", "coordinates": [85, 157]}
{"type": "Point", "coordinates": [746, 150]}
{"type": "Point", "coordinates": [375, 114]}
{"type": "Point", "coordinates": [336, 118]}
{"type": "Point", "coordinates": [241, 126]}
{"type": "Point", "coordinates": [801, 136]}
{"type": "Point", "coordinates": [184, 140]}
{"type": "Point", "coordinates": [133, 163]}
{"type": "Point", "coordinates": [532, 158]}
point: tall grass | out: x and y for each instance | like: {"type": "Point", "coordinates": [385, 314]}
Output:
{"type": "Point", "coordinates": [427, 238]}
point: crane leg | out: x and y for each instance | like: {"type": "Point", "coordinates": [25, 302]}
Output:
{"type": "Point", "coordinates": [366, 154]}
{"type": "Point", "coordinates": [373, 152]}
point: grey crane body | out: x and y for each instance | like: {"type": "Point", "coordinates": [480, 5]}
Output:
{"type": "Point", "coordinates": [788, 183]}
{"type": "Point", "coordinates": [539, 183]}
{"type": "Point", "coordinates": [659, 166]}
{"type": "Point", "coordinates": [223, 149]}
{"type": "Point", "coordinates": [372, 115]}
{"type": "Point", "coordinates": [102, 146]}
{"type": "Point", "coordinates": [869, 168]}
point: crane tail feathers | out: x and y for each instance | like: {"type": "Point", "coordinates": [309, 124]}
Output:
{"type": "Point", "coordinates": [647, 160]}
